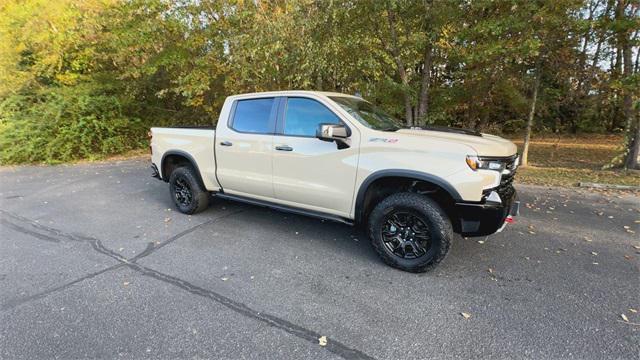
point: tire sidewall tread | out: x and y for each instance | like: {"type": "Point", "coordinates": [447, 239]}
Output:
{"type": "Point", "coordinates": [432, 214]}
{"type": "Point", "coordinates": [200, 195]}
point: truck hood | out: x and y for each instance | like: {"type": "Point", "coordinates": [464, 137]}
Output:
{"type": "Point", "coordinates": [483, 144]}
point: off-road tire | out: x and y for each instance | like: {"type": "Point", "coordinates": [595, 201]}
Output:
{"type": "Point", "coordinates": [199, 195]}
{"type": "Point", "coordinates": [428, 211]}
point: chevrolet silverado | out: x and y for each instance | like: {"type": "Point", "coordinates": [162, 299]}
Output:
{"type": "Point", "coordinates": [339, 157]}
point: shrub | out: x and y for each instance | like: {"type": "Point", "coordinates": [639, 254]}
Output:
{"type": "Point", "coordinates": [63, 124]}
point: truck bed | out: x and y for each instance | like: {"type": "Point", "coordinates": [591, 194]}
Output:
{"type": "Point", "coordinates": [195, 143]}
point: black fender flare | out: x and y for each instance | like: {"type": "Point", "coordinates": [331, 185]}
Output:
{"type": "Point", "coordinates": [184, 155]}
{"type": "Point", "coordinates": [410, 174]}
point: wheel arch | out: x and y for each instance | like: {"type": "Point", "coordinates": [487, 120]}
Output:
{"type": "Point", "coordinates": [174, 158]}
{"type": "Point", "coordinates": [386, 182]}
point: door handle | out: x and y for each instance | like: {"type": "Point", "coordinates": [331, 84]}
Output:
{"type": "Point", "coordinates": [284, 148]}
{"type": "Point", "coordinates": [226, 143]}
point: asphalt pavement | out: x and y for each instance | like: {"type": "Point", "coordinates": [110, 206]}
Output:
{"type": "Point", "coordinates": [96, 263]}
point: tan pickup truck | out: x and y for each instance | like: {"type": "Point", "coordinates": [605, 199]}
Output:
{"type": "Point", "coordinates": [338, 157]}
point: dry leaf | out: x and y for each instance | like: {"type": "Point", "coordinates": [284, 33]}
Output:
{"type": "Point", "coordinates": [465, 315]}
{"type": "Point", "coordinates": [624, 317]}
{"type": "Point", "coordinates": [322, 341]}
{"type": "Point", "coordinates": [633, 310]}
{"type": "Point", "coordinates": [594, 253]}
{"type": "Point", "coordinates": [636, 247]}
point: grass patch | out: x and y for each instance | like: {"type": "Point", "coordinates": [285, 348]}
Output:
{"type": "Point", "coordinates": [568, 160]}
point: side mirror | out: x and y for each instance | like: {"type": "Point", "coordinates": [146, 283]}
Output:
{"type": "Point", "coordinates": [332, 132]}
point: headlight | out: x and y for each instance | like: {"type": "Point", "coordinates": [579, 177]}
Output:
{"type": "Point", "coordinates": [476, 163]}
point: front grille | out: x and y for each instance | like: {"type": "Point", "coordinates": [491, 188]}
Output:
{"type": "Point", "coordinates": [506, 189]}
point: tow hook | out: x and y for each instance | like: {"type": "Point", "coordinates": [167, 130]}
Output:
{"type": "Point", "coordinates": [508, 220]}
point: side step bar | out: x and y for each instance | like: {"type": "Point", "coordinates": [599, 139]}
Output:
{"type": "Point", "coordinates": [289, 209]}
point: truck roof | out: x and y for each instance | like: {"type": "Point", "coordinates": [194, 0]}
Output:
{"type": "Point", "coordinates": [293, 93]}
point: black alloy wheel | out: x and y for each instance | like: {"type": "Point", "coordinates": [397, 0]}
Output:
{"type": "Point", "coordinates": [405, 235]}
{"type": "Point", "coordinates": [182, 192]}
{"type": "Point", "coordinates": [410, 231]}
{"type": "Point", "coordinates": [187, 190]}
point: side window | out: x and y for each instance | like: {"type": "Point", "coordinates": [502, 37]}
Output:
{"type": "Point", "coordinates": [254, 116]}
{"type": "Point", "coordinates": [303, 116]}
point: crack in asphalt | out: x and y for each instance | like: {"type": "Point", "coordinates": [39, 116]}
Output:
{"type": "Point", "coordinates": [151, 247]}
{"type": "Point", "coordinates": [54, 235]}
{"type": "Point", "coordinates": [333, 346]}
{"type": "Point", "coordinates": [11, 303]}
{"type": "Point", "coordinates": [24, 230]}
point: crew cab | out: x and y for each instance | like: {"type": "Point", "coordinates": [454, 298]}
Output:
{"type": "Point", "coordinates": [339, 157]}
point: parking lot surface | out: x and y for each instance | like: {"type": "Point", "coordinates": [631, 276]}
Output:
{"type": "Point", "coordinates": [96, 263]}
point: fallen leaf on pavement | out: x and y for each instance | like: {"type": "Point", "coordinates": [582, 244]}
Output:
{"type": "Point", "coordinates": [633, 310]}
{"type": "Point", "coordinates": [465, 315]}
{"type": "Point", "coordinates": [624, 317]}
{"type": "Point", "coordinates": [322, 341]}
{"type": "Point", "coordinates": [594, 253]}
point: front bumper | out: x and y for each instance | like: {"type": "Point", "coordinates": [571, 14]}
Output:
{"type": "Point", "coordinates": [481, 219]}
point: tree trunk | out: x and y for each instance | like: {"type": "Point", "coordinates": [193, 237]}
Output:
{"type": "Point", "coordinates": [532, 112]}
{"type": "Point", "coordinates": [400, 68]}
{"type": "Point", "coordinates": [423, 101]}
{"type": "Point", "coordinates": [624, 67]}
{"type": "Point", "coordinates": [631, 120]}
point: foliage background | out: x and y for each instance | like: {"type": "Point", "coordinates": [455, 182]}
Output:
{"type": "Point", "coordinates": [87, 78]}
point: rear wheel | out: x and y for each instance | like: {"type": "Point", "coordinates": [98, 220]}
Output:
{"type": "Point", "coordinates": [410, 232]}
{"type": "Point", "coordinates": [187, 192]}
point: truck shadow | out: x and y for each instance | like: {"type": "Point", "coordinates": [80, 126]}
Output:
{"type": "Point", "coordinates": [285, 229]}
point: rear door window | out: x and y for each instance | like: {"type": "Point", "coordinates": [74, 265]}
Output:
{"type": "Point", "coordinates": [256, 116]}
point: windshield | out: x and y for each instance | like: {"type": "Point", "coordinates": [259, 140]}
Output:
{"type": "Point", "coordinates": [367, 114]}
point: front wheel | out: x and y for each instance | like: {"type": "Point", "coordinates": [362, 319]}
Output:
{"type": "Point", "coordinates": [410, 232]}
{"type": "Point", "coordinates": [188, 194]}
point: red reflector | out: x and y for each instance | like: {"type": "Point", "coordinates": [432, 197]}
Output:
{"type": "Point", "coordinates": [509, 220]}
